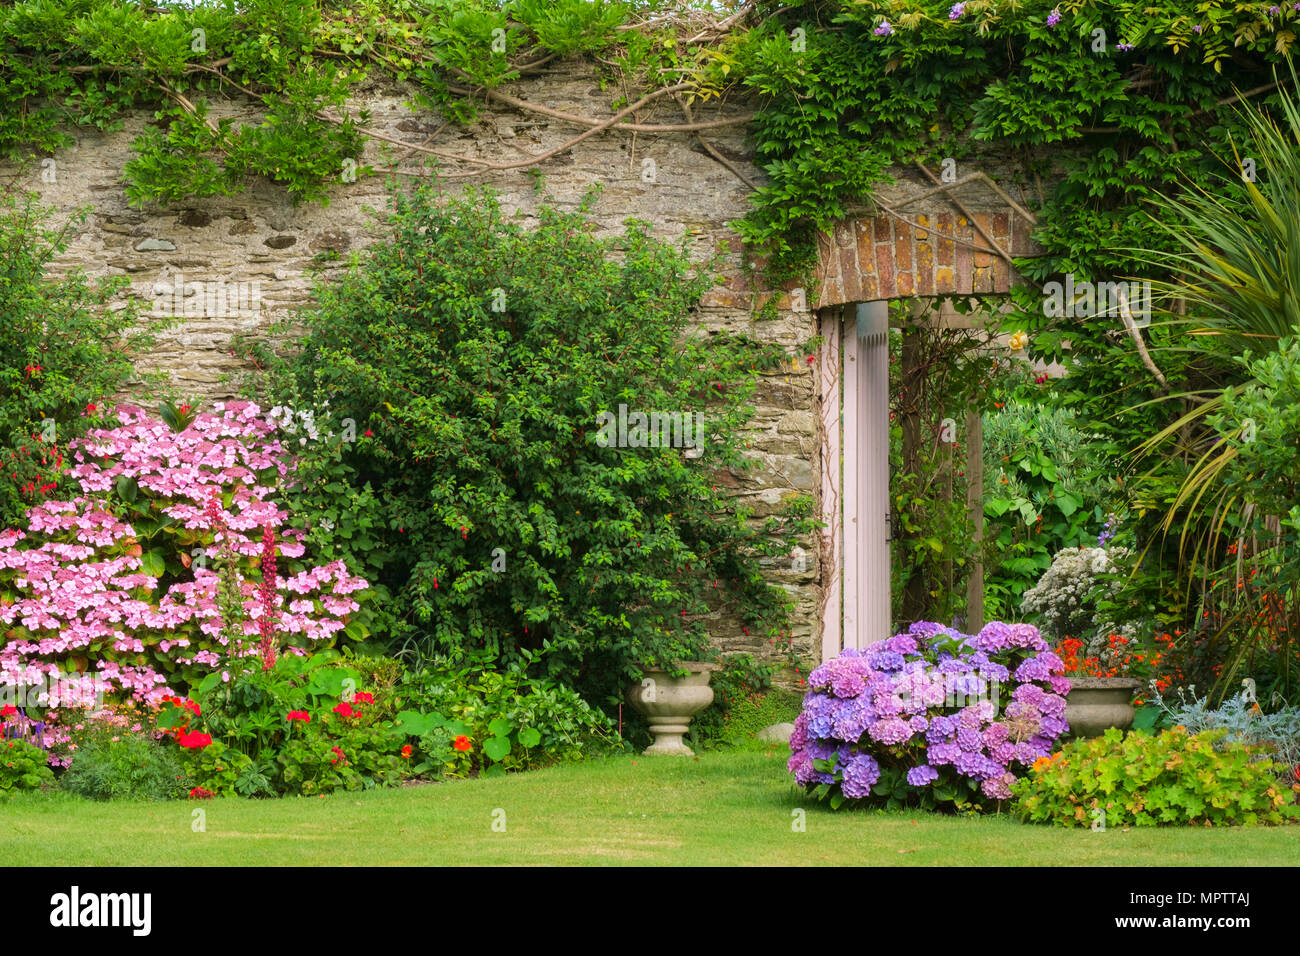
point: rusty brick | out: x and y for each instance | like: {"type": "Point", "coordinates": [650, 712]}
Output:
{"type": "Point", "coordinates": [921, 234]}
{"type": "Point", "coordinates": [924, 268]}
{"type": "Point", "coordinates": [902, 246]}
{"type": "Point", "coordinates": [1020, 230]}
{"type": "Point", "coordinates": [881, 226]}
{"type": "Point", "coordinates": [1002, 228]}
{"type": "Point", "coordinates": [943, 254]}
{"type": "Point", "coordinates": [964, 257]}
{"type": "Point", "coordinates": [1001, 275]}
{"type": "Point", "coordinates": [850, 273]}
{"type": "Point", "coordinates": [869, 288]}
{"type": "Point", "coordinates": [982, 279]}
{"type": "Point", "coordinates": [943, 280]}
{"type": "Point", "coordinates": [843, 233]}
{"type": "Point", "coordinates": [905, 284]}
{"type": "Point", "coordinates": [885, 271]}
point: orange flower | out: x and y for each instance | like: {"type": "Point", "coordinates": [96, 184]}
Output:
{"type": "Point", "coordinates": [461, 743]}
{"type": "Point", "coordinates": [406, 752]}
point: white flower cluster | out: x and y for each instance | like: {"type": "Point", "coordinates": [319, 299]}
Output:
{"type": "Point", "coordinates": [1065, 596]}
{"type": "Point", "coordinates": [308, 420]}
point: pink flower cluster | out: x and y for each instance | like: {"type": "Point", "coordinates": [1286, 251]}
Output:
{"type": "Point", "coordinates": [76, 603]}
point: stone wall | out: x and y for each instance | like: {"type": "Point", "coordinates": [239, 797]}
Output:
{"type": "Point", "coordinates": [257, 243]}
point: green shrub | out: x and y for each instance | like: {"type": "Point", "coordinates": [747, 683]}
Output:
{"type": "Point", "coordinates": [23, 766]}
{"type": "Point", "coordinates": [1142, 780]}
{"type": "Point", "coordinates": [124, 766]}
{"type": "Point", "coordinates": [477, 358]}
{"type": "Point", "coordinates": [510, 721]}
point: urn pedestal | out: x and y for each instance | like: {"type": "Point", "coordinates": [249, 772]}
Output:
{"type": "Point", "coordinates": [1097, 703]}
{"type": "Point", "coordinates": [670, 702]}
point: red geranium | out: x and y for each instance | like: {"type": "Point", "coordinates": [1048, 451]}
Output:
{"type": "Point", "coordinates": [298, 715]}
{"type": "Point", "coordinates": [194, 740]}
{"type": "Point", "coordinates": [345, 710]}
{"type": "Point", "coordinates": [8, 710]}
{"type": "Point", "coordinates": [339, 757]}
{"type": "Point", "coordinates": [461, 743]}
{"type": "Point", "coordinates": [363, 698]}
{"type": "Point", "coordinates": [198, 793]}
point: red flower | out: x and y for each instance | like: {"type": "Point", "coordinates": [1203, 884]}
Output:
{"type": "Point", "coordinates": [406, 752]}
{"type": "Point", "coordinates": [194, 740]}
{"type": "Point", "coordinates": [8, 710]}
{"type": "Point", "coordinates": [198, 793]}
{"type": "Point", "coordinates": [362, 697]}
{"type": "Point", "coordinates": [339, 757]}
{"type": "Point", "coordinates": [90, 408]}
{"type": "Point", "coordinates": [345, 710]}
{"type": "Point", "coordinates": [461, 743]}
{"type": "Point", "coordinates": [298, 715]}
{"type": "Point", "coordinates": [369, 433]}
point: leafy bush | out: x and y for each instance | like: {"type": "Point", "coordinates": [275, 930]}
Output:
{"type": "Point", "coordinates": [306, 725]}
{"type": "Point", "coordinates": [1171, 778]}
{"type": "Point", "coordinates": [1043, 478]}
{"type": "Point", "coordinates": [1242, 719]}
{"type": "Point", "coordinates": [915, 721]}
{"type": "Point", "coordinates": [123, 766]}
{"type": "Point", "coordinates": [23, 766]}
{"type": "Point", "coordinates": [511, 720]}
{"type": "Point", "coordinates": [482, 357]}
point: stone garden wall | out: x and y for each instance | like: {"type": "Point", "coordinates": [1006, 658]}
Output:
{"type": "Point", "coordinates": [253, 251]}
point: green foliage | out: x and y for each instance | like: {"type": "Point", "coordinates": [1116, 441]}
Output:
{"type": "Point", "coordinates": [511, 721]}
{"type": "Point", "coordinates": [1045, 482]}
{"type": "Point", "coordinates": [61, 351]}
{"type": "Point", "coordinates": [1171, 778]}
{"type": "Point", "coordinates": [747, 715]}
{"type": "Point", "coordinates": [220, 770]}
{"type": "Point", "coordinates": [119, 764]}
{"type": "Point", "coordinates": [23, 766]}
{"type": "Point", "coordinates": [482, 356]}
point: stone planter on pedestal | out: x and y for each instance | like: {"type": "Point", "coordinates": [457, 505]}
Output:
{"type": "Point", "coordinates": [1097, 703]}
{"type": "Point", "coordinates": [670, 703]}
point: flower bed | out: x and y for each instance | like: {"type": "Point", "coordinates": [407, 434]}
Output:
{"type": "Point", "coordinates": [931, 718]}
{"type": "Point", "coordinates": [110, 596]}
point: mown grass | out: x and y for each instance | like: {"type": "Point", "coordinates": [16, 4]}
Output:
{"type": "Point", "coordinates": [723, 808]}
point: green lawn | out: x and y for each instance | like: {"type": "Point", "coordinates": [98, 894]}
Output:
{"type": "Point", "coordinates": [729, 808]}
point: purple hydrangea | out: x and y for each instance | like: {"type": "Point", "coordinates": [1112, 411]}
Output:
{"type": "Point", "coordinates": [885, 660]}
{"type": "Point", "coordinates": [985, 705]}
{"type": "Point", "coordinates": [922, 775]}
{"type": "Point", "coordinates": [860, 772]}
{"type": "Point", "coordinates": [889, 731]}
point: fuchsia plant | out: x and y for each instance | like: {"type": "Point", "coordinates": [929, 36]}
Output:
{"type": "Point", "coordinates": [112, 588]}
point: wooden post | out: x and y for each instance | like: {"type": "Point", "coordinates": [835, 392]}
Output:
{"type": "Point", "coordinates": [975, 509]}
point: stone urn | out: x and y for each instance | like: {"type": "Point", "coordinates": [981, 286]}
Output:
{"type": "Point", "coordinates": [1097, 703]}
{"type": "Point", "coordinates": [670, 703]}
